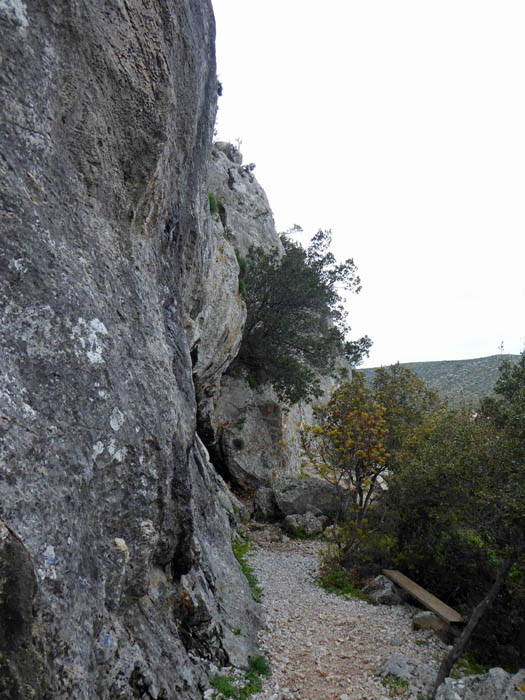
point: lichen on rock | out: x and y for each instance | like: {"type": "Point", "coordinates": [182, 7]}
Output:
{"type": "Point", "coordinates": [108, 114]}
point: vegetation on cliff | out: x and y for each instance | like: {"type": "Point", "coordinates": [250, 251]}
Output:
{"type": "Point", "coordinates": [453, 514]}
{"type": "Point", "coordinates": [296, 326]}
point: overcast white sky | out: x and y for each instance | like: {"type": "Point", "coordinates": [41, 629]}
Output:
{"type": "Point", "coordinates": [400, 125]}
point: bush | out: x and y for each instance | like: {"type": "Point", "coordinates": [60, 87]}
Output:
{"type": "Point", "coordinates": [214, 206]}
{"type": "Point", "coordinates": [241, 548]}
{"type": "Point", "coordinates": [240, 688]}
{"type": "Point", "coordinates": [449, 520]}
{"type": "Point", "coordinates": [243, 270]}
{"type": "Point", "coordinates": [296, 324]}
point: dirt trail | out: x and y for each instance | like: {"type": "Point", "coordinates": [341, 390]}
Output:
{"type": "Point", "coordinates": [323, 646]}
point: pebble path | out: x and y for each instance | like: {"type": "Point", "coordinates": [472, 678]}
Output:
{"type": "Point", "coordinates": [323, 646]}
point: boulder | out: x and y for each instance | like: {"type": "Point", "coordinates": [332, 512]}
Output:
{"type": "Point", "coordinates": [264, 507]}
{"type": "Point", "coordinates": [497, 684]}
{"type": "Point", "coordinates": [383, 592]}
{"type": "Point", "coordinates": [426, 620]}
{"type": "Point", "coordinates": [307, 524]}
{"type": "Point", "coordinates": [419, 676]}
{"type": "Point", "coordinates": [309, 495]}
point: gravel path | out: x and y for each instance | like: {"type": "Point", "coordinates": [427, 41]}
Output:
{"type": "Point", "coordinates": [324, 646]}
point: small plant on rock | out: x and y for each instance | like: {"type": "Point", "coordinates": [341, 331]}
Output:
{"type": "Point", "coordinates": [242, 687]}
{"type": "Point", "coordinates": [241, 548]}
{"type": "Point", "coordinates": [214, 205]}
{"type": "Point", "coordinates": [395, 686]}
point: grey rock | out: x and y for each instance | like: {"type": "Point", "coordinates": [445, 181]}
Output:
{"type": "Point", "coordinates": [497, 684]}
{"type": "Point", "coordinates": [230, 151]}
{"type": "Point", "coordinates": [118, 532]}
{"type": "Point", "coordinates": [251, 435]}
{"type": "Point", "coordinates": [21, 663]}
{"type": "Point", "coordinates": [243, 205]}
{"type": "Point", "coordinates": [264, 507]}
{"type": "Point", "coordinates": [307, 523]}
{"type": "Point", "coordinates": [215, 334]}
{"type": "Point", "coordinates": [382, 591]}
{"type": "Point", "coordinates": [298, 496]}
{"type": "Point", "coordinates": [419, 676]}
{"type": "Point", "coordinates": [248, 434]}
{"type": "Point", "coordinates": [427, 620]}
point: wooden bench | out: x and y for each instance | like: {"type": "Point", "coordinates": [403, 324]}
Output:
{"type": "Point", "coordinates": [446, 613]}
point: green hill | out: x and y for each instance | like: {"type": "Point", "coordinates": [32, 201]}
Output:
{"type": "Point", "coordinates": [457, 380]}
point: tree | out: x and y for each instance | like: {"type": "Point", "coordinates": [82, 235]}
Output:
{"type": "Point", "coordinates": [454, 512]}
{"type": "Point", "coordinates": [346, 447]}
{"type": "Point", "coordinates": [491, 503]}
{"type": "Point", "coordinates": [296, 324]}
{"type": "Point", "coordinates": [363, 434]}
{"type": "Point", "coordinates": [410, 408]}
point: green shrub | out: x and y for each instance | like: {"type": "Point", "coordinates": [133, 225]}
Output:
{"type": "Point", "coordinates": [296, 323]}
{"type": "Point", "coordinates": [395, 686]}
{"type": "Point", "coordinates": [260, 665]}
{"type": "Point", "coordinates": [241, 548]}
{"type": "Point", "coordinates": [224, 684]}
{"type": "Point", "coordinates": [214, 206]}
{"type": "Point", "coordinates": [232, 687]}
{"type": "Point", "coordinates": [243, 270]}
{"type": "Point", "coordinates": [468, 666]}
{"type": "Point", "coordinates": [338, 581]}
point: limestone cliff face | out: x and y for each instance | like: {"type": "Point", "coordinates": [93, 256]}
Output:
{"type": "Point", "coordinates": [252, 436]}
{"type": "Point", "coordinates": [116, 572]}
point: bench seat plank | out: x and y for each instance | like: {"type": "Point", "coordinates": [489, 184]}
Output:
{"type": "Point", "coordinates": [424, 597]}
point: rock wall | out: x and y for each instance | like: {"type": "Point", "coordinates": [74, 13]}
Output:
{"type": "Point", "coordinates": [116, 572]}
{"type": "Point", "coordinates": [252, 436]}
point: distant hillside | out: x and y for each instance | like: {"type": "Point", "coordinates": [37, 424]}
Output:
{"type": "Point", "coordinates": [457, 380]}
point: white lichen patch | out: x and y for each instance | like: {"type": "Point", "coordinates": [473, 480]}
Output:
{"type": "Point", "coordinates": [117, 419]}
{"type": "Point", "coordinates": [16, 10]}
{"type": "Point", "coordinates": [17, 264]}
{"type": "Point", "coordinates": [50, 562]}
{"type": "Point", "coordinates": [38, 332]}
{"type": "Point", "coordinates": [118, 455]}
{"type": "Point", "coordinates": [98, 449]}
{"type": "Point", "coordinates": [86, 335]}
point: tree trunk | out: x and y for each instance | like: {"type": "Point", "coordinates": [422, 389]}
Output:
{"type": "Point", "coordinates": [456, 651]}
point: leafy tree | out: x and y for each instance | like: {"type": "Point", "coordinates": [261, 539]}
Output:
{"type": "Point", "coordinates": [505, 409]}
{"type": "Point", "coordinates": [361, 437]}
{"type": "Point", "coordinates": [454, 512]}
{"type": "Point", "coordinates": [346, 446]}
{"type": "Point", "coordinates": [410, 408]}
{"type": "Point", "coordinates": [296, 324]}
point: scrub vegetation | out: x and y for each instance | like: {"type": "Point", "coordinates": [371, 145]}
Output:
{"type": "Point", "coordinates": [434, 491]}
{"type": "Point", "coordinates": [296, 326]}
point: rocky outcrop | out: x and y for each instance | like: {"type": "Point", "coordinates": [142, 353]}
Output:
{"type": "Point", "coordinates": [244, 209]}
{"type": "Point", "coordinates": [417, 678]}
{"type": "Point", "coordinates": [497, 684]}
{"type": "Point", "coordinates": [252, 436]}
{"type": "Point", "coordinates": [381, 591]}
{"type": "Point", "coordinates": [426, 620]}
{"type": "Point", "coordinates": [309, 495]}
{"type": "Point", "coordinates": [308, 525]}
{"type": "Point", "coordinates": [307, 503]}
{"type": "Point", "coordinates": [116, 573]}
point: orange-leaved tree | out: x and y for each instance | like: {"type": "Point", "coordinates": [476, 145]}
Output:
{"type": "Point", "coordinates": [346, 445]}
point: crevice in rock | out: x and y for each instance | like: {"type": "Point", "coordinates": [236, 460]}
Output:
{"type": "Point", "coordinates": [222, 214]}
